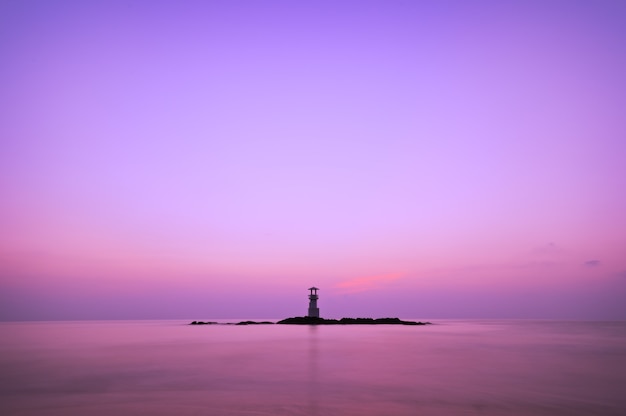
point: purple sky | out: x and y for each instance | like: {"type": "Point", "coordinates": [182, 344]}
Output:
{"type": "Point", "coordinates": [214, 159]}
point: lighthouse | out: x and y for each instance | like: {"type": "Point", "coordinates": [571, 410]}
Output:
{"type": "Point", "coordinates": [314, 311]}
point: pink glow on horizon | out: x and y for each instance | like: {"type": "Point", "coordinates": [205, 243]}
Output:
{"type": "Point", "coordinates": [211, 151]}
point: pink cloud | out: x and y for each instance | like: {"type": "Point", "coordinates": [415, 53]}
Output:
{"type": "Point", "coordinates": [361, 284]}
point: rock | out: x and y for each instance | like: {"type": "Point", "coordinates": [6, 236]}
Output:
{"type": "Point", "coordinates": [308, 320]}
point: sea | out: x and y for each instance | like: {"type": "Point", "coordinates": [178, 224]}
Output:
{"type": "Point", "coordinates": [452, 367]}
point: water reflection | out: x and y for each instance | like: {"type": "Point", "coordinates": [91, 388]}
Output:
{"type": "Point", "coordinates": [314, 395]}
{"type": "Point", "coordinates": [513, 368]}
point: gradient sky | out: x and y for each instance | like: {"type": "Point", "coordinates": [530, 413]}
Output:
{"type": "Point", "coordinates": [214, 159]}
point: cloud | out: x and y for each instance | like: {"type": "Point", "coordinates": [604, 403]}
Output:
{"type": "Point", "coordinates": [548, 249]}
{"type": "Point", "coordinates": [361, 284]}
{"type": "Point", "coordinates": [536, 264]}
{"type": "Point", "coordinates": [592, 263]}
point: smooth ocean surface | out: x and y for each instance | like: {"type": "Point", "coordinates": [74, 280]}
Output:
{"type": "Point", "coordinates": [471, 367]}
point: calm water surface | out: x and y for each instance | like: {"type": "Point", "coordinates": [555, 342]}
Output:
{"type": "Point", "coordinates": [450, 368]}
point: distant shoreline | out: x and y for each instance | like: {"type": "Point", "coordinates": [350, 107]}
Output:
{"type": "Point", "coordinates": [307, 320]}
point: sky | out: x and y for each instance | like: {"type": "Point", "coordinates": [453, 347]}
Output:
{"type": "Point", "coordinates": [214, 159]}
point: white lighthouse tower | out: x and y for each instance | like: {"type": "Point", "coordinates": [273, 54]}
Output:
{"type": "Point", "coordinates": [314, 311]}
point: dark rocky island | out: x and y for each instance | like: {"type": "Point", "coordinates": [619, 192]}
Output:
{"type": "Point", "coordinates": [311, 320]}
